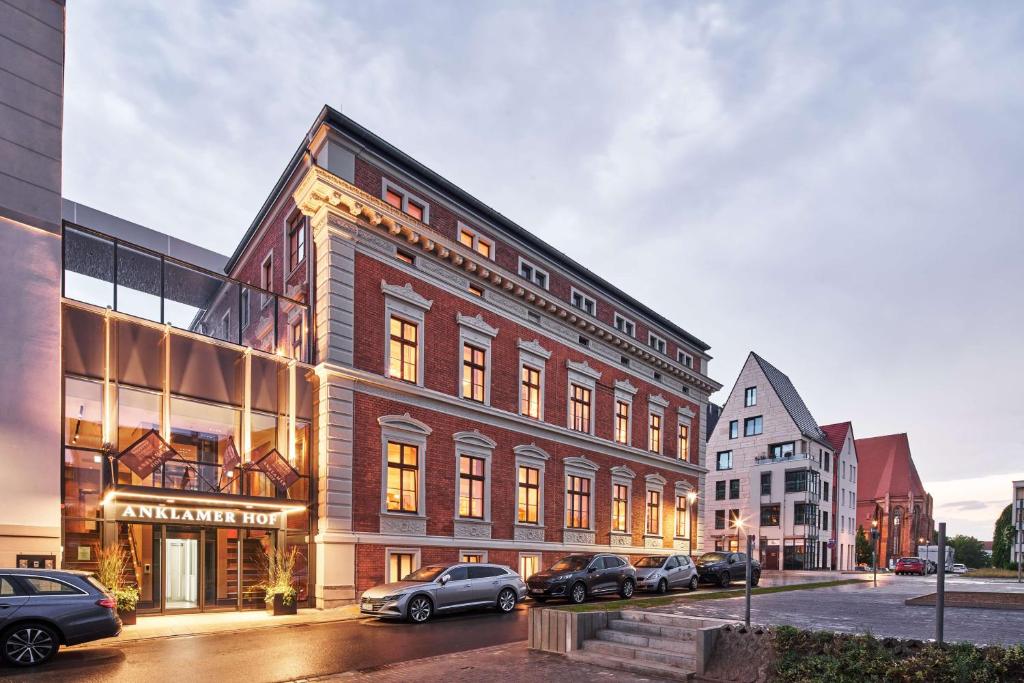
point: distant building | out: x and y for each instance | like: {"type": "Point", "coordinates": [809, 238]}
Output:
{"type": "Point", "coordinates": [843, 495]}
{"type": "Point", "coordinates": [1018, 521]}
{"type": "Point", "coordinates": [890, 492]}
{"type": "Point", "coordinates": [712, 414]}
{"type": "Point", "coordinates": [770, 474]}
{"type": "Point", "coordinates": [986, 547]}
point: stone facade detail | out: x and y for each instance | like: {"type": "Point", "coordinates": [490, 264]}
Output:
{"type": "Point", "coordinates": [620, 540]}
{"type": "Point", "coordinates": [579, 536]}
{"type": "Point", "coordinates": [471, 529]}
{"type": "Point", "coordinates": [407, 526]}
{"type": "Point", "coordinates": [528, 533]}
{"type": "Point", "coordinates": [653, 542]}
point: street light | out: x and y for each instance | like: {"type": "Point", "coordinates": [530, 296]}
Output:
{"type": "Point", "coordinates": [874, 551]}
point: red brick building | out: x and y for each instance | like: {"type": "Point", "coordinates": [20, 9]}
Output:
{"type": "Point", "coordinates": [479, 394]}
{"type": "Point", "coordinates": [890, 492]}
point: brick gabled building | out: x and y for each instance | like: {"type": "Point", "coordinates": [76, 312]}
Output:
{"type": "Point", "coordinates": [890, 492]}
{"type": "Point", "coordinates": [479, 394]}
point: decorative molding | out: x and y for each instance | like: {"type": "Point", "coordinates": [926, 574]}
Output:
{"type": "Point", "coordinates": [654, 542]}
{"type": "Point", "coordinates": [581, 463]}
{"type": "Point", "coordinates": [531, 451]}
{"type": "Point", "coordinates": [583, 369]}
{"type": "Point", "coordinates": [405, 423]}
{"type": "Point", "coordinates": [472, 529]}
{"type": "Point", "coordinates": [442, 273]}
{"type": "Point", "coordinates": [623, 472]}
{"type": "Point", "coordinates": [685, 411]}
{"type": "Point", "coordinates": [406, 526]}
{"type": "Point", "coordinates": [407, 294]}
{"type": "Point", "coordinates": [535, 348]}
{"type": "Point", "coordinates": [475, 439]}
{"type": "Point", "coordinates": [625, 385]}
{"type": "Point", "coordinates": [528, 533]}
{"type": "Point", "coordinates": [683, 488]}
{"type": "Point", "coordinates": [658, 400]}
{"type": "Point", "coordinates": [477, 323]}
{"type": "Point", "coordinates": [655, 480]}
{"type": "Point", "coordinates": [505, 303]}
{"type": "Point", "coordinates": [681, 543]}
{"type": "Point", "coordinates": [578, 536]}
{"type": "Point", "coordinates": [620, 539]}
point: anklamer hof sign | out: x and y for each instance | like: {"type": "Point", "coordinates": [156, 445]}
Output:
{"type": "Point", "coordinates": [135, 512]}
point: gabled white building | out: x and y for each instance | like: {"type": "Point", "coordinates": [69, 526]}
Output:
{"type": "Point", "coordinates": [843, 495]}
{"type": "Point", "coordinates": [769, 467]}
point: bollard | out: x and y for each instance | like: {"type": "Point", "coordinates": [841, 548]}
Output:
{"type": "Point", "coordinates": [750, 549]}
{"type": "Point", "coordinates": [940, 584]}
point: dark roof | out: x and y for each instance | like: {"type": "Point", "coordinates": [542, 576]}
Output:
{"type": "Point", "coordinates": [795, 406]}
{"type": "Point", "coordinates": [388, 151]}
{"type": "Point", "coordinates": [713, 413]}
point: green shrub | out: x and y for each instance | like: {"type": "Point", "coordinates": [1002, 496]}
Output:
{"type": "Point", "coordinates": [823, 656]}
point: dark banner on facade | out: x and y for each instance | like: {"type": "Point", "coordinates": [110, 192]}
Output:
{"type": "Point", "coordinates": [146, 454]}
{"type": "Point", "coordinates": [277, 469]}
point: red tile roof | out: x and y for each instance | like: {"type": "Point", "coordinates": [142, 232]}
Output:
{"type": "Point", "coordinates": [836, 434]}
{"type": "Point", "coordinates": [886, 466]}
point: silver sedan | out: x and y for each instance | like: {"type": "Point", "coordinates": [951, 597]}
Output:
{"type": "Point", "coordinates": [661, 573]}
{"type": "Point", "coordinates": [439, 588]}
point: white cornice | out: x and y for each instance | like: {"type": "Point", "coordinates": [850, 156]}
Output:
{"type": "Point", "coordinates": [405, 423]}
{"type": "Point", "coordinates": [623, 472]}
{"type": "Point", "coordinates": [685, 411]}
{"type": "Point", "coordinates": [407, 294]}
{"type": "Point", "coordinates": [477, 323]}
{"type": "Point", "coordinates": [658, 400]}
{"type": "Point", "coordinates": [656, 480]}
{"type": "Point", "coordinates": [583, 369]}
{"type": "Point", "coordinates": [475, 438]}
{"type": "Point", "coordinates": [626, 386]}
{"type": "Point", "coordinates": [580, 463]}
{"type": "Point", "coordinates": [531, 451]}
{"type": "Point", "coordinates": [535, 348]}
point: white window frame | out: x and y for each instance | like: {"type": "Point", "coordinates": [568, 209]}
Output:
{"type": "Point", "coordinates": [299, 220]}
{"type": "Point", "coordinates": [481, 553]}
{"type": "Point", "coordinates": [535, 269]}
{"type": "Point", "coordinates": [477, 239]}
{"type": "Point", "coordinates": [624, 392]}
{"type": "Point", "coordinates": [535, 457]}
{"type": "Point", "coordinates": [684, 490]}
{"type": "Point", "coordinates": [225, 321]}
{"type": "Point", "coordinates": [540, 563]}
{"type": "Point", "coordinates": [264, 285]}
{"type": "Point", "coordinates": [625, 321]}
{"type": "Point", "coordinates": [754, 402]}
{"type": "Point", "coordinates": [585, 298]}
{"type": "Point", "coordinates": [406, 196]}
{"type": "Point", "coordinates": [404, 303]}
{"type": "Point", "coordinates": [623, 476]}
{"type": "Point", "coordinates": [476, 445]}
{"type": "Point", "coordinates": [664, 343]}
{"type": "Point", "coordinates": [655, 483]}
{"type": "Point", "coordinates": [532, 355]}
{"type": "Point", "coordinates": [406, 430]}
{"type": "Point", "coordinates": [244, 304]}
{"type": "Point", "coordinates": [579, 467]}
{"type": "Point", "coordinates": [684, 419]}
{"type": "Point", "coordinates": [683, 357]}
{"type": "Point", "coordinates": [656, 405]}
{"type": "Point", "coordinates": [587, 377]}
{"type": "Point", "coordinates": [388, 552]}
{"type": "Point", "coordinates": [476, 332]}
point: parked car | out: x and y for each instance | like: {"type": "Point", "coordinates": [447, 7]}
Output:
{"type": "Point", "coordinates": [862, 568]}
{"type": "Point", "coordinates": [661, 573]}
{"type": "Point", "coordinates": [931, 567]}
{"type": "Point", "coordinates": [578, 577]}
{"type": "Point", "coordinates": [447, 587]}
{"type": "Point", "coordinates": [723, 568]}
{"type": "Point", "coordinates": [42, 609]}
{"type": "Point", "coordinates": [911, 565]}
{"type": "Point", "coordinates": [959, 568]}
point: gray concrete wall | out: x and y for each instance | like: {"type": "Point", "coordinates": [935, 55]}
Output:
{"type": "Point", "coordinates": [31, 116]}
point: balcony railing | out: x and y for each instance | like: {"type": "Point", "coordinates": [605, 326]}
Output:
{"type": "Point", "coordinates": [107, 272]}
{"type": "Point", "coordinates": [768, 459]}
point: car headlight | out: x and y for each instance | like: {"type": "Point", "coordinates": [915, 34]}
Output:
{"type": "Point", "coordinates": [391, 598]}
{"type": "Point", "coordinates": [563, 577]}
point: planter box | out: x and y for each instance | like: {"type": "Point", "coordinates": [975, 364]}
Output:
{"type": "Point", "coordinates": [127, 618]}
{"type": "Point", "coordinates": [278, 608]}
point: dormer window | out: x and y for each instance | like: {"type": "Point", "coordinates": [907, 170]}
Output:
{"type": "Point", "coordinates": [583, 302]}
{"type": "Point", "coordinates": [656, 342]}
{"type": "Point", "coordinates": [625, 325]}
{"type": "Point", "coordinates": [532, 273]}
{"type": "Point", "coordinates": [469, 237]}
{"type": "Point", "coordinates": [685, 359]}
{"type": "Point", "coordinates": [405, 201]}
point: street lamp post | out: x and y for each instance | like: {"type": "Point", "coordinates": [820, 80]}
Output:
{"type": "Point", "coordinates": [874, 551]}
{"type": "Point", "coordinates": [750, 550]}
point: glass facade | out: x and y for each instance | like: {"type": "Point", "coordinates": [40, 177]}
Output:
{"type": "Point", "coordinates": [221, 410]}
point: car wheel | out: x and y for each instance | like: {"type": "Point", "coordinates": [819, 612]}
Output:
{"type": "Point", "coordinates": [578, 593]}
{"type": "Point", "coordinates": [420, 609]}
{"type": "Point", "coordinates": [693, 583]}
{"type": "Point", "coordinates": [755, 578]}
{"type": "Point", "coordinates": [626, 592]}
{"type": "Point", "coordinates": [724, 579]}
{"type": "Point", "coordinates": [29, 644]}
{"type": "Point", "coordinates": [663, 586]}
{"type": "Point", "coordinates": [507, 600]}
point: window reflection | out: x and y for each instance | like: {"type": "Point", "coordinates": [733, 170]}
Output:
{"type": "Point", "coordinates": [200, 433]}
{"type": "Point", "coordinates": [83, 413]}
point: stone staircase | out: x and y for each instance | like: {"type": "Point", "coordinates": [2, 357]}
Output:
{"type": "Point", "coordinates": [644, 643]}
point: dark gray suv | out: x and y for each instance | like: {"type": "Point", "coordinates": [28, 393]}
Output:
{"type": "Point", "coordinates": [42, 609]}
{"type": "Point", "coordinates": [577, 577]}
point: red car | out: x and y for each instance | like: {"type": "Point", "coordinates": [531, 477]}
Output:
{"type": "Point", "coordinates": [911, 565]}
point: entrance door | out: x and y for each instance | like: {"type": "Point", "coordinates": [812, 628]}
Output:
{"type": "Point", "coordinates": [181, 570]}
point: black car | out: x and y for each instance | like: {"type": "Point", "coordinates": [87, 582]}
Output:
{"type": "Point", "coordinates": [42, 609]}
{"type": "Point", "coordinates": [577, 577]}
{"type": "Point", "coordinates": [723, 568]}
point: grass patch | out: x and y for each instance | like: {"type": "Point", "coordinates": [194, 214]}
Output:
{"type": "Point", "coordinates": [662, 600]}
{"type": "Point", "coordinates": [990, 573]}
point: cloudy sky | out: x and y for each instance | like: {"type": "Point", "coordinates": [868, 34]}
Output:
{"type": "Point", "coordinates": [836, 186]}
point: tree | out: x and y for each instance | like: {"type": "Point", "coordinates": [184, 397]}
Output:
{"type": "Point", "coordinates": [969, 551]}
{"type": "Point", "coordinates": [863, 547]}
{"type": "Point", "coordinates": [1002, 539]}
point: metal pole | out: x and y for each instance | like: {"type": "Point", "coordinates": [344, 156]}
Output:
{"type": "Point", "coordinates": [940, 581]}
{"type": "Point", "coordinates": [750, 549]}
{"type": "Point", "coordinates": [874, 557]}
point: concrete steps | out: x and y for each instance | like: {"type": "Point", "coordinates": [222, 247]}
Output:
{"type": "Point", "coordinates": [645, 643]}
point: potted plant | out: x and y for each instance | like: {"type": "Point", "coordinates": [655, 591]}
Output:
{"type": "Point", "coordinates": [278, 581]}
{"type": "Point", "coordinates": [113, 562]}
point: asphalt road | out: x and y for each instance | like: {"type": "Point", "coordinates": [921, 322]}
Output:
{"type": "Point", "coordinates": [279, 654]}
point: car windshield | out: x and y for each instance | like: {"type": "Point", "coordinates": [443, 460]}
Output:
{"type": "Point", "coordinates": [713, 557]}
{"type": "Point", "coordinates": [649, 562]}
{"type": "Point", "coordinates": [425, 573]}
{"type": "Point", "coordinates": [573, 563]}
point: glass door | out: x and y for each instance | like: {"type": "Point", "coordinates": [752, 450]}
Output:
{"type": "Point", "coordinates": [221, 569]}
{"type": "Point", "coordinates": [181, 569]}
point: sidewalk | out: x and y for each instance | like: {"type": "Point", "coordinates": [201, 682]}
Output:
{"type": "Point", "coordinates": [500, 663]}
{"type": "Point", "coordinates": [195, 624]}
